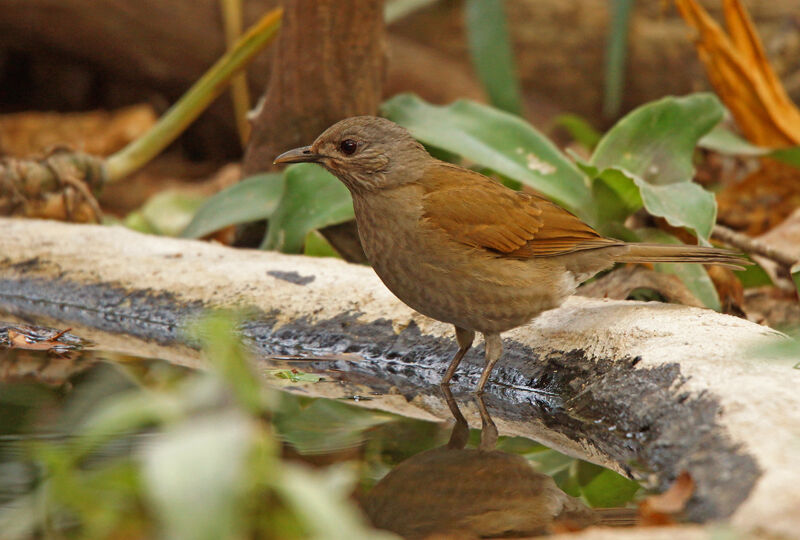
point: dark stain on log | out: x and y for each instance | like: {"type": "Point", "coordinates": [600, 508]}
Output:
{"type": "Point", "coordinates": [292, 277]}
{"type": "Point", "coordinates": [153, 316]}
{"type": "Point", "coordinates": [642, 418]}
{"type": "Point", "coordinates": [638, 416]}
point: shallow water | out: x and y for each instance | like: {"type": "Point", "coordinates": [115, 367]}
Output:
{"type": "Point", "coordinates": [444, 475]}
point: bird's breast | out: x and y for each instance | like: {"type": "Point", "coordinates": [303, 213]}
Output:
{"type": "Point", "coordinates": [449, 281]}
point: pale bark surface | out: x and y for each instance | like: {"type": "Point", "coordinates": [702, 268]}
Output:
{"type": "Point", "coordinates": [648, 389]}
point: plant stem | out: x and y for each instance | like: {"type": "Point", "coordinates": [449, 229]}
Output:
{"type": "Point", "coordinates": [232, 21]}
{"type": "Point", "coordinates": [195, 100]}
{"type": "Point", "coordinates": [752, 245]}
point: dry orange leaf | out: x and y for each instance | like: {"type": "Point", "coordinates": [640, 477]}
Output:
{"type": "Point", "coordinates": [742, 76]}
{"type": "Point", "coordinates": [98, 133]}
{"type": "Point", "coordinates": [662, 509]}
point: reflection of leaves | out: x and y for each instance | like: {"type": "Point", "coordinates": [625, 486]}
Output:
{"type": "Point", "coordinates": [251, 199]}
{"type": "Point", "coordinates": [313, 198]}
{"type": "Point", "coordinates": [604, 488]}
{"type": "Point", "coordinates": [294, 375]}
{"type": "Point", "coordinates": [496, 140]}
{"type": "Point", "coordinates": [324, 425]}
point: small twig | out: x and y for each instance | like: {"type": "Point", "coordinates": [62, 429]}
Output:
{"type": "Point", "coordinates": [232, 22]}
{"type": "Point", "coordinates": [752, 245]}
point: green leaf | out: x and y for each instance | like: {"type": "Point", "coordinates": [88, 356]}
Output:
{"type": "Point", "coordinates": [722, 140]}
{"type": "Point", "coordinates": [294, 375]}
{"type": "Point", "coordinates": [496, 140]}
{"type": "Point", "coordinates": [653, 146]}
{"type": "Point", "coordinates": [604, 488]}
{"type": "Point", "coordinates": [166, 213]}
{"type": "Point", "coordinates": [313, 199]}
{"type": "Point", "coordinates": [315, 245]}
{"type": "Point", "coordinates": [656, 141]}
{"type": "Point", "coordinates": [683, 204]}
{"type": "Point", "coordinates": [579, 129]}
{"type": "Point", "coordinates": [694, 276]}
{"type": "Point", "coordinates": [492, 56]}
{"type": "Point", "coordinates": [194, 476]}
{"type": "Point", "coordinates": [790, 156]}
{"type": "Point", "coordinates": [795, 270]}
{"type": "Point", "coordinates": [616, 196]}
{"type": "Point", "coordinates": [252, 199]}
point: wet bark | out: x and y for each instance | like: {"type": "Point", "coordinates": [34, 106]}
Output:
{"type": "Point", "coordinates": [648, 389]}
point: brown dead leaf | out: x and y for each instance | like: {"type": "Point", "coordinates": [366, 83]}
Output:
{"type": "Point", "coordinates": [745, 81]}
{"type": "Point", "coordinates": [663, 508]}
{"type": "Point", "coordinates": [99, 133]}
{"type": "Point", "coordinates": [742, 76]}
{"type": "Point", "coordinates": [40, 338]}
{"type": "Point", "coordinates": [762, 200]}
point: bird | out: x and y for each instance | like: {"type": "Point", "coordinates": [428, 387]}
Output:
{"type": "Point", "coordinates": [461, 492]}
{"type": "Point", "coordinates": [462, 248]}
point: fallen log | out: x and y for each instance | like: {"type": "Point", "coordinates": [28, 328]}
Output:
{"type": "Point", "coordinates": [647, 389]}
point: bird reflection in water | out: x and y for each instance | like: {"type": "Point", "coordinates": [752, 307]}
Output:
{"type": "Point", "coordinates": [466, 493]}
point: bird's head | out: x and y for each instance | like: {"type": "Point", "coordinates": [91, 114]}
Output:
{"type": "Point", "coordinates": [365, 152]}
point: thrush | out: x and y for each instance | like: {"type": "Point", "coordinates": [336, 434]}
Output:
{"type": "Point", "coordinates": [461, 248]}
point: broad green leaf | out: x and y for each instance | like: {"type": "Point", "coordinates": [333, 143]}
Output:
{"type": "Point", "coordinates": [656, 142]}
{"type": "Point", "coordinates": [194, 474]}
{"type": "Point", "coordinates": [492, 56]}
{"type": "Point", "coordinates": [790, 156]}
{"type": "Point", "coordinates": [683, 204]}
{"type": "Point", "coordinates": [496, 140]}
{"type": "Point", "coordinates": [694, 276]}
{"type": "Point", "coordinates": [579, 129]}
{"type": "Point", "coordinates": [315, 245]}
{"type": "Point", "coordinates": [166, 213]}
{"type": "Point", "coordinates": [722, 140]}
{"type": "Point", "coordinates": [252, 199]}
{"type": "Point", "coordinates": [313, 199]}
{"type": "Point", "coordinates": [653, 146]}
{"type": "Point", "coordinates": [754, 276]}
{"type": "Point", "coordinates": [616, 196]}
{"type": "Point", "coordinates": [604, 488]}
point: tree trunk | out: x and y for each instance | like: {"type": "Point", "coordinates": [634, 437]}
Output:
{"type": "Point", "coordinates": [329, 64]}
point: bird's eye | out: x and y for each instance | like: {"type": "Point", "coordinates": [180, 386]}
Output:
{"type": "Point", "coordinates": [348, 147]}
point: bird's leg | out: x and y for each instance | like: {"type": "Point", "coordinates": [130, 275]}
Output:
{"type": "Point", "coordinates": [488, 429]}
{"type": "Point", "coordinates": [494, 348]}
{"type": "Point", "coordinates": [464, 338]}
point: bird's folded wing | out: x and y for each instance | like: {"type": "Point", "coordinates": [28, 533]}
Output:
{"type": "Point", "coordinates": [479, 212]}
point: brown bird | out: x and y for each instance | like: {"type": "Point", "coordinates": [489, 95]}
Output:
{"type": "Point", "coordinates": [461, 248]}
{"type": "Point", "coordinates": [461, 492]}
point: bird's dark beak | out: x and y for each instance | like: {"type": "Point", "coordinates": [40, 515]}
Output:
{"type": "Point", "coordinates": [298, 155]}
